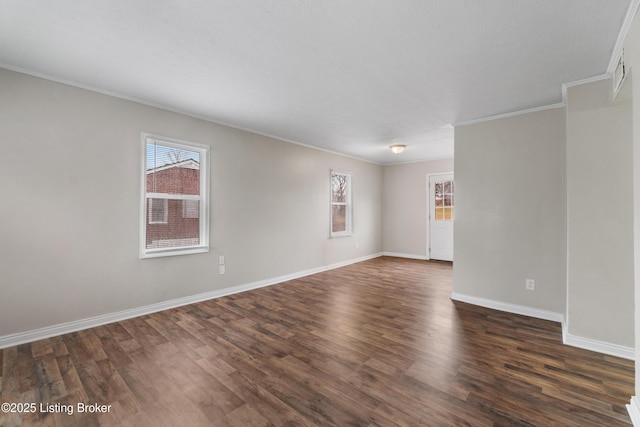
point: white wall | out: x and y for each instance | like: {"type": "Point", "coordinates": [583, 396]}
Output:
{"type": "Point", "coordinates": [404, 211]}
{"type": "Point", "coordinates": [69, 206]}
{"type": "Point", "coordinates": [600, 214]}
{"type": "Point", "coordinates": [510, 210]}
{"type": "Point", "coordinates": [523, 211]}
{"type": "Point", "coordinates": [632, 59]}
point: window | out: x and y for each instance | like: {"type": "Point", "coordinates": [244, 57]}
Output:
{"type": "Point", "coordinates": [175, 207]}
{"type": "Point", "coordinates": [340, 204]}
{"type": "Point", "coordinates": [444, 200]}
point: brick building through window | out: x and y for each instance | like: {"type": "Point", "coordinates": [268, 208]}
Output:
{"type": "Point", "coordinates": [173, 220]}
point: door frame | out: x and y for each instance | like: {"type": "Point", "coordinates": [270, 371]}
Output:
{"type": "Point", "coordinates": [428, 219]}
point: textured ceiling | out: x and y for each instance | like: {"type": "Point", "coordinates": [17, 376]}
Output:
{"type": "Point", "coordinates": [346, 76]}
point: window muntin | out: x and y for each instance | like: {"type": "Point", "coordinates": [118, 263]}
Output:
{"type": "Point", "coordinates": [341, 207]}
{"type": "Point", "coordinates": [175, 199]}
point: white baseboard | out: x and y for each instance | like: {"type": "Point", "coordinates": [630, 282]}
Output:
{"type": "Point", "coordinates": [634, 411]}
{"type": "Point", "coordinates": [77, 325]}
{"type": "Point", "coordinates": [567, 338]}
{"type": "Point", "coordinates": [335, 265]}
{"type": "Point", "coordinates": [600, 346]}
{"type": "Point", "coordinates": [401, 255]}
{"type": "Point", "coordinates": [509, 308]}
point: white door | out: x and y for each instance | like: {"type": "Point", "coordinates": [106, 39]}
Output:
{"type": "Point", "coordinates": [441, 217]}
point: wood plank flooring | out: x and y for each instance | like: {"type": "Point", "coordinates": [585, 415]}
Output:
{"type": "Point", "coordinates": [377, 343]}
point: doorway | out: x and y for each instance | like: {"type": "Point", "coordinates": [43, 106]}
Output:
{"type": "Point", "coordinates": [440, 216]}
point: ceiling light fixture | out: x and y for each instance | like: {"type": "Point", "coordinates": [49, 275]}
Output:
{"type": "Point", "coordinates": [397, 148]}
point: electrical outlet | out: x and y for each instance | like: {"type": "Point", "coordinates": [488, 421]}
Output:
{"type": "Point", "coordinates": [221, 260]}
{"type": "Point", "coordinates": [221, 269]}
{"type": "Point", "coordinates": [530, 285]}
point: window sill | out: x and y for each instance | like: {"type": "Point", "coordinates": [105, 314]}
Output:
{"type": "Point", "coordinates": [157, 253]}
{"type": "Point", "coordinates": [343, 234]}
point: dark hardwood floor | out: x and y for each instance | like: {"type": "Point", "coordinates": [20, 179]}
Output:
{"type": "Point", "coordinates": [377, 343]}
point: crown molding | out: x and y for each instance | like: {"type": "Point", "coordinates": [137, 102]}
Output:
{"type": "Point", "coordinates": [566, 86]}
{"type": "Point", "coordinates": [171, 109]}
{"type": "Point", "coordinates": [514, 113]}
{"type": "Point", "coordinates": [430, 159]}
{"type": "Point", "coordinates": [622, 35]}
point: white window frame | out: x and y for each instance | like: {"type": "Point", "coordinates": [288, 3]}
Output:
{"type": "Point", "coordinates": [203, 197]}
{"type": "Point", "coordinates": [347, 203]}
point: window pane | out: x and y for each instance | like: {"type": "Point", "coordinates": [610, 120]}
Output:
{"type": "Point", "coordinates": [177, 230]}
{"type": "Point", "coordinates": [448, 200]}
{"type": "Point", "coordinates": [448, 214]}
{"type": "Point", "coordinates": [439, 214]}
{"type": "Point", "coordinates": [172, 170]}
{"type": "Point", "coordinates": [338, 218]}
{"type": "Point", "coordinates": [447, 187]}
{"type": "Point", "coordinates": [339, 188]}
{"type": "Point", "coordinates": [438, 189]}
